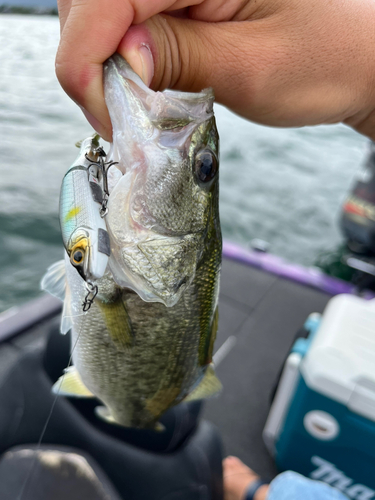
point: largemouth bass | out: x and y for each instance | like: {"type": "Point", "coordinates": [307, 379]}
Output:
{"type": "Point", "coordinates": [143, 330]}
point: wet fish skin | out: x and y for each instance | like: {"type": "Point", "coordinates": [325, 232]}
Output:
{"type": "Point", "coordinates": [146, 343]}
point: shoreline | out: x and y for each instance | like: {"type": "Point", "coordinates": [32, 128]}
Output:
{"type": "Point", "coordinates": [35, 11]}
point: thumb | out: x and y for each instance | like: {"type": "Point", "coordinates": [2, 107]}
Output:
{"type": "Point", "coordinates": [189, 55]}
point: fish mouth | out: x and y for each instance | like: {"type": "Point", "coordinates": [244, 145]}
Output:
{"type": "Point", "coordinates": [158, 269]}
{"type": "Point", "coordinates": [121, 66]}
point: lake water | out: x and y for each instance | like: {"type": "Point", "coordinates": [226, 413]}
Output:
{"type": "Point", "coordinates": [282, 186]}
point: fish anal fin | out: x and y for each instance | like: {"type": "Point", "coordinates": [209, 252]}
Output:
{"type": "Point", "coordinates": [209, 386]}
{"type": "Point", "coordinates": [70, 384]}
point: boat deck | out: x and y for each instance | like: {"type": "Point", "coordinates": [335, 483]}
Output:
{"type": "Point", "coordinates": [260, 314]}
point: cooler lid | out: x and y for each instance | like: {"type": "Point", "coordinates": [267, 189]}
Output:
{"type": "Point", "coordinates": [340, 363]}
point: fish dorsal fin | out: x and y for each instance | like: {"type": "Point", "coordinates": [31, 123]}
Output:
{"type": "Point", "coordinates": [54, 281]}
{"type": "Point", "coordinates": [70, 384]}
{"type": "Point", "coordinates": [209, 386]}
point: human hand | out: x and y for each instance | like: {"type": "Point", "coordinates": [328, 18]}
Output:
{"type": "Point", "coordinates": [276, 62]}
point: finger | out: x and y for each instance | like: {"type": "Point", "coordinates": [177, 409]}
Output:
{"type": "Point", "coordinates": [181, 4]}
{"type": "Point", "coordinates": [191, 55]}
{"type": "Point", "coordinates": [182, 13]}
{"type": "Point", "coordinates": [260, 69]}
{"type": "Point", "coordinates": [82, 50]}
{"type": "Point", "coordinates": [64, 8]}
{"type": "Point", "coordinates": [221, 10]}
{"type": "Point", "coordinates": [88, 39]}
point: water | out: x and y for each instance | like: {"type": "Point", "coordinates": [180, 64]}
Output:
{"type": "Point", "coordinates": [283, 186]}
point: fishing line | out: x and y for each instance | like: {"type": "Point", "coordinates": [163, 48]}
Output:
{"type": "Point", "coordinates": [39, 443]}
{"type": "Point", "coordinates": [227, 345]}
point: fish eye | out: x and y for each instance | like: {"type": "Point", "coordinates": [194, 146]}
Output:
{"type": "Point", "coordinates": [77, 256]}
{"type": "Point", "coordinates": [206, 165]}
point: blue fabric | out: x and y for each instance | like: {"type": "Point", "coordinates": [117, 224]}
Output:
{"type": "Point", "coordinates": [292, 486]}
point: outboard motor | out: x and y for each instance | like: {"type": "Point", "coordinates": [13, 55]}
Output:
{"type": "Point", "coordinates": [358, 214]}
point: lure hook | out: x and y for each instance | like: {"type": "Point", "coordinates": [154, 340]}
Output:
{"type": "Point", "coordinates": [92, 292]}
{"type": "Point", "coordinates": [104, 167]}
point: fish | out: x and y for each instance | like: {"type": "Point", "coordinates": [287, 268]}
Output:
{"type": "Point", "coordinates": [143, 330]}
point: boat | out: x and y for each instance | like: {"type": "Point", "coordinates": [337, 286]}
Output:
{"type": "Point", "coordinates": [357, 224]}
{"type": "Point", "coordinates": [55, 446]}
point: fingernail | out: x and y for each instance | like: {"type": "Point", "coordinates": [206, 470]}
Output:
{"type": "Point", "coordinates": [95, 123]}
{"type": "Point", "coordinates": [142, 62]}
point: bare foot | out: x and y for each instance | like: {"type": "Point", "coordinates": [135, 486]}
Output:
{"type": "Point", "coordinates": [237, 479]}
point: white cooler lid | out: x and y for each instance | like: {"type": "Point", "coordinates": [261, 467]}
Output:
{"type": "Point", "coordinates": [340, 362]}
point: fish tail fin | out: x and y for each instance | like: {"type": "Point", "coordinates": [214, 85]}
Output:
{"type": "Point", "coordinates": [104, 413]}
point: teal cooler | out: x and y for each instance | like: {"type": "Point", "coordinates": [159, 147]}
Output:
{"type": "Point", "coordinates": [322, 420]}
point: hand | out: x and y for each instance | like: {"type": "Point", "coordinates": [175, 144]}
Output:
{"type": "Point", "coordinates": [276, 62]}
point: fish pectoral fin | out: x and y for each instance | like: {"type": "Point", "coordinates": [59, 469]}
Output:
{"type": "Point", "coordinates": [103, 413]}
{"type": "Point", "coordinates": [118, 324]}
{"type": "Point", "coordinates": [70, 384]}
{"type": "Point", "coordinates": [54, 281]}
{"type": "Point", "coordinates": [208, 387]}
